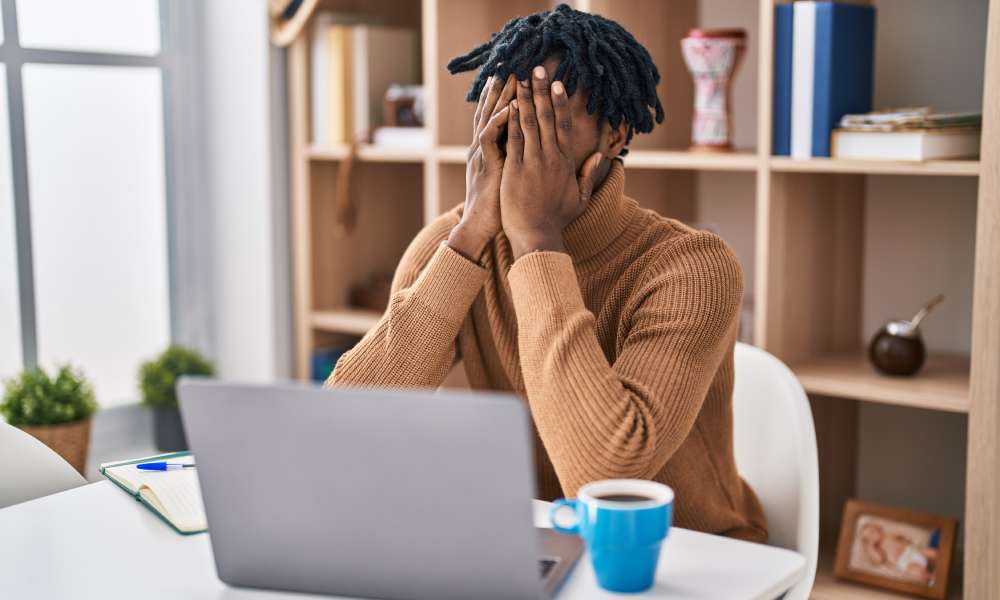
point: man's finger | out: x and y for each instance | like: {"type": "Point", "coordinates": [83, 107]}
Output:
{"type": "Point", "coordinates": [586, 178]}
{"type": "Point", "coordinates": [506, 94]}
{"type": "Point", "coordinates": [563, 116]}
{"type": "Point", "coordinates": [515, 137]}
{"type": "Point", "coordinates": [489, 103]}
{"type": "Point", "coordinates": [528, 120]}
{"type": "Point", "coordinates": [491, 133]}
{"type": "Point", "coordinates": [479, 105]}
{"type": "Point", "coordinates": [542, 99]}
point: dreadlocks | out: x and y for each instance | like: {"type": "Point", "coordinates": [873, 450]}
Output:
{"type": "Point", "coordinates": [595, 52]}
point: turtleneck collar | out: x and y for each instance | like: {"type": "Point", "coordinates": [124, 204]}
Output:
{"type": "Point", "coordinates": [604, 219]}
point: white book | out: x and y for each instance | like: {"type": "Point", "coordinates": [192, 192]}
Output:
{"type": "Point", "coordinates": [320, 96]}
{"type": "Point", "coordinates": [402, 137]}
{"type": "Point", "coordinates": [803, 55]}
{"type": "Point", "coordinates": [905, 145]}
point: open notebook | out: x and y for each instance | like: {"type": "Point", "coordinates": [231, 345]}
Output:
{"type": "Point", "coordinates": [174, 496]}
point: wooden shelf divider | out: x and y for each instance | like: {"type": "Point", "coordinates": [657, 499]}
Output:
{"type": "Point", "coordinates": [943, 383]}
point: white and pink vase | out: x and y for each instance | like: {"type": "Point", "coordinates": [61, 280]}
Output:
{"type": "Point", "coordinates": [712, 56]}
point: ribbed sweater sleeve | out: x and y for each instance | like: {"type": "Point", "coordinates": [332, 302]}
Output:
{"type": "Point", "coordinates": [624, 420]}
{"type": "Point", "coordinates": [413, 345]}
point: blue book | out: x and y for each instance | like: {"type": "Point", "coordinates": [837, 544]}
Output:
{"type": "Point", "coordinates": [781, 113]}
{"type": "Point", "coordinates": [844, 57]}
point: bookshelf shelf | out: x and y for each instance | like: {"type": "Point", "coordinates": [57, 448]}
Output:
{"type": "Point", "coordinates": [695, 161]}
{"type": "Point", "coordinates": [743, 160]}
{"type": "Point", "coordinates": [451, 154]}
{"type": "Point", "coordinates": [369, 153]}
{"type": "Point", "coordinates": [353, 321]}
{"type": "Point", "coordinates": [828, 587]}
{"type": "Point", "coordinates": [960, 168]}
{"type": "Point", "coordinates": [943, 384]}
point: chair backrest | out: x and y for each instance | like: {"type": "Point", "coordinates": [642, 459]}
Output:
{"type": "Point", "coordinates": [775, 445]}
{"type": "Point", "coordinates": [29, 469]}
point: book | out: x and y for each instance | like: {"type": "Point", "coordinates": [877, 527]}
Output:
{"type": "Point", "coordinates": [803, 49]}
{"type": "Point", "coordinates": [339, 81]}
{"type": "Point", "coordinates": [174, 496]}
{"type": "Point", "coordinates": [897, 119]}
{"type": "Point", "coordinates": [417, 138]}
{"type": "Point", "coordinates": [781, 126]}
{"type": "Point", "coordinates": [913, 144]}
{"type": "Point", "coordinates": [319, 88]}
{"type": "Point", "coordinates": [832, 70]}
{"type": "Point", "coordinates": [382, 56]}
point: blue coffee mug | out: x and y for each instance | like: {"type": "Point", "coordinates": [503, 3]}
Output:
{"type": "Point", "coordinates": [623, 522]}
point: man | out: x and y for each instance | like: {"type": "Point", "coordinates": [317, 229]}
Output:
{"type": "Point", "coordinates": [616, 324]}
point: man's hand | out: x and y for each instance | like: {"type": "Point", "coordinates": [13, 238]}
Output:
{"type": "Point", "coordinates": [540, 191]}
{"type": "Point", "coordinates": [481, 218]}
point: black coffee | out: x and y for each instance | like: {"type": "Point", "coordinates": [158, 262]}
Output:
{"type": "Point", "coordinates": [624, 498]}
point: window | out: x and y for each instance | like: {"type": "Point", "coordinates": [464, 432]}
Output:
{"type": "Point", "coordinates": [85, 187]}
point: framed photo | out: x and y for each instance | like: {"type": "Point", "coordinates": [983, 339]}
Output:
{"type": "Point", "coordinates": [900, 550]}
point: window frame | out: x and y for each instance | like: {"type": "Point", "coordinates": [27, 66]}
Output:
{"type": "Point", "coordinates": [187, 221]}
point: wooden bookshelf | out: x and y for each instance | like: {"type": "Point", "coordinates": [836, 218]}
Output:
{"type": "Point", "coordinates": [807, 236]}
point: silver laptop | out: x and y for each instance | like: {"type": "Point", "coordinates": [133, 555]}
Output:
{"type": "Point", "coordinates": [383, 494]}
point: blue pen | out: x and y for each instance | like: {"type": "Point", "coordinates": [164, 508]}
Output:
{"type": "Point", "coordinates": [163, 466]}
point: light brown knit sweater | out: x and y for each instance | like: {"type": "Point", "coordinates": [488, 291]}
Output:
{"type": "Point", "coordinates": [623, 348]}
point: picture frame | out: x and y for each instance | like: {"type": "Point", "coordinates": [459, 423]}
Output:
{"type": "Point", "coordinates": [896, 549]}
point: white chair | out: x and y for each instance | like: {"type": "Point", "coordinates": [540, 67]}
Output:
{"type": "Point", "coordinates": [29, 469]}
{"type": "Point", "coordinates": [775, 445]}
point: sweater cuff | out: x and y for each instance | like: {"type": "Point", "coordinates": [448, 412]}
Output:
{"type": "Point", "coordinates": [448, 284]}
{"type": "Point", "coordinates": [544, 283]}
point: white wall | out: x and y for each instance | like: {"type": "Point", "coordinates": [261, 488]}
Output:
{"type": "Point", "coordinates": [251, 339]}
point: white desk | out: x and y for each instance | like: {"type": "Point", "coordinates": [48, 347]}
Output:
{"type": "Point", "coordinates": [97, 542]}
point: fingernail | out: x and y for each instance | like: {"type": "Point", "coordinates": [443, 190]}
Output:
{"type": "Point", "coordinates": [557, 87]}
{"type": "Point", "coordinates": [539, 72]}
{"type": "Point", "coordinates": [513, 104]}
{"type": "Point", "coordinates": [523, 83]}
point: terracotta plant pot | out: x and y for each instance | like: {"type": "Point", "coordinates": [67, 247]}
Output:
{"type": "Point", "coordinates": [69, 440]}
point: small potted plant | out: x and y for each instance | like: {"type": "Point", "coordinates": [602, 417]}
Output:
{"type": "Point", "coordinates": [157, 380]}
{"type": "Point", "coordinates": [56, 410]}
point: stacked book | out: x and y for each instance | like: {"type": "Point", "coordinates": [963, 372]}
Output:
{"type": "Point", "coordinates": [353, 66]}
{"type": "Point", "coordinates": [907, 134]}
{"type": "Point", "coordinates": [823, 69]}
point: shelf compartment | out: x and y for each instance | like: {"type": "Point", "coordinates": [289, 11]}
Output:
{"type": "Point", "coordinates": [943, 383]}
{"type": "Point", "coordinates": [356, 321]}
{"type": "Point", "coordinates": [370, 153]}
{"type": "Point", "coordinates": [959, 168]}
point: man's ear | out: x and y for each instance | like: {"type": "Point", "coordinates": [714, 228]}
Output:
{"type": "Point", "coordinates": [613, 139]}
